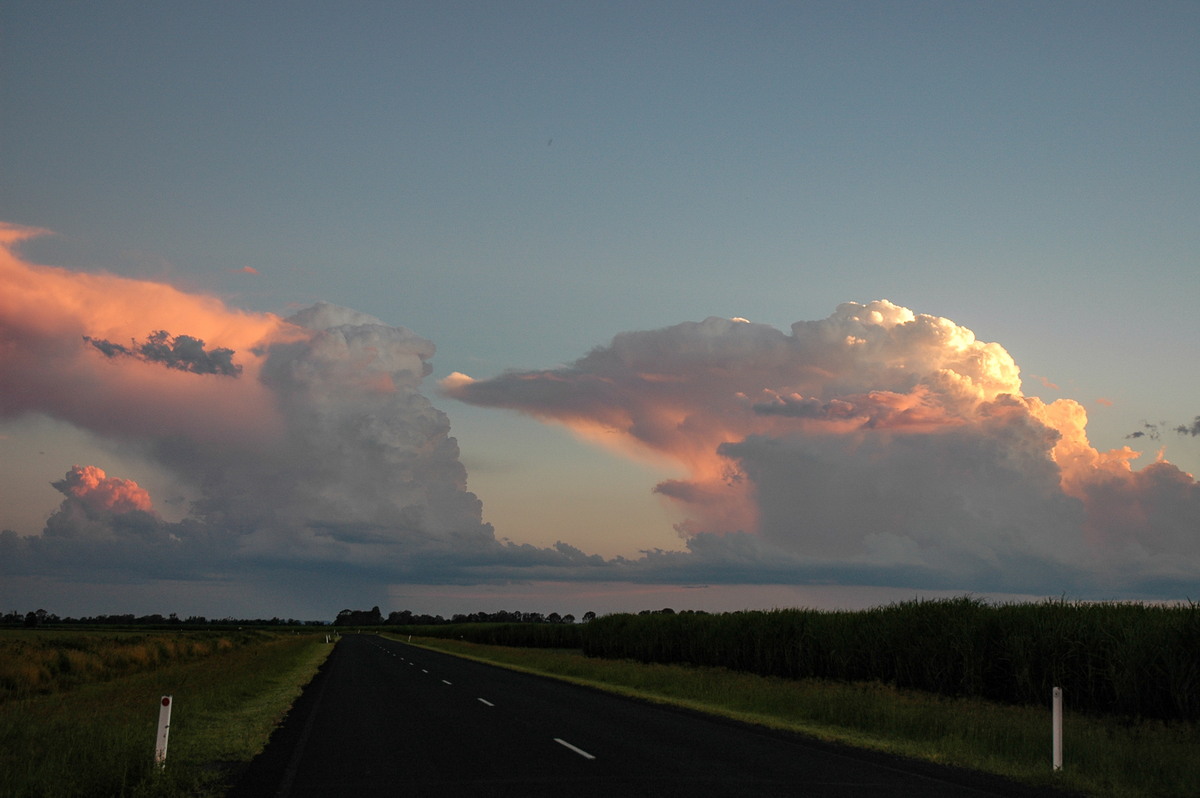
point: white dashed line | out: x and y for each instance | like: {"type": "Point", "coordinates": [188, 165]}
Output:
{"type": "Point", "coordinates": [485, 701]}
{"type": "Point", "coordinates": [445, 682]}
{"type": "Point", "coordinates": [579, 751]}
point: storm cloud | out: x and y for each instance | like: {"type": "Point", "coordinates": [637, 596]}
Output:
{"type": "Point", "coordinates": [876, 441]}
{"type": "Point", "coordinates": [877, 446]}
{"type": "Point", "coordinates": [315, 450]}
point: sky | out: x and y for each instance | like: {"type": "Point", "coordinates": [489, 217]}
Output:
{"type": "Point", "coordinates": [596, 306]}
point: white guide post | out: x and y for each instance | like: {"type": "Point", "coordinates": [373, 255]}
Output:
{"type": "Point", "coordinates": [1056, 715]}
{"type": "Point", "coordinates": [164, 726]}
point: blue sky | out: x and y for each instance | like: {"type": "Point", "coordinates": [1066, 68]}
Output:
{"type": "Point", "coordinates": [520, 182]}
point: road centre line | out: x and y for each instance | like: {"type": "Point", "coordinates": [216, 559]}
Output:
{"type": "Point", "coordinates": [579, 751]}
{"type": "Point", "coordinates": [446, 682]}
{"type": "Point", "coordinates": [485, 701]}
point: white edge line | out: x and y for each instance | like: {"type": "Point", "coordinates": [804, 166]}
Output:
{"type": "Point", "coordinates": [485, 701]}
{"type": "Point", "coordinates": [579, 751]}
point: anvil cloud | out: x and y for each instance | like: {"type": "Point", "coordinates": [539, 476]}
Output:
{"type": "Point", "coordinates": [877, 442]}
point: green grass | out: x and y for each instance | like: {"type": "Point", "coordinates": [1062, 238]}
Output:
{"type": "Point", "coordinates": [1131, 659]}
{"type": "Point", "coordinates": [38, 662]}
{"type": "Point", "coordinates": [1102, 756]}
{"type": "Point", "coordinates": [97, 738]}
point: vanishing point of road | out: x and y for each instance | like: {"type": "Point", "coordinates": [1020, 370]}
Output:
{"type": "Point", "coordinates": [383, 718]}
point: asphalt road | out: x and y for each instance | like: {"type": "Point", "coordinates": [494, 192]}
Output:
{"type": "Point", "coordinates": [386, 718]}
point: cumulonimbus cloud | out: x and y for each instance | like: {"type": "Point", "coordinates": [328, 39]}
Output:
{"type": "Point", "coordinates": [874, 440]}
{"type": "Point", "coordinates": [305, 440]}
{"type": "Point", "coordinates": [876, 446]}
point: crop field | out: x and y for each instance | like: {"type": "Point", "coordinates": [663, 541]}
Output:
{"type": "Point", "coordinates": [1128, 660]}
{"type": "Point", "coordinates": [79, 709]}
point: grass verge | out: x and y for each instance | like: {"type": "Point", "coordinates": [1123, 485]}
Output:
{"type": "Point", "coordinates": [1102, 756]}
{"type": "Point", "coordinates": [98, 739]}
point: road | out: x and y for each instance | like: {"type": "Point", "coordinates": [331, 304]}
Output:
{"type": "Point", "coordinates": [386, 718]}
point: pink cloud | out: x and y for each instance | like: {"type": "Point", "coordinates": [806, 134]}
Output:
{"type": "Point", "coordinates": [99, 492]}
{"type": "Point", "coordinates": [48, 316]}
{"type": "Point", "coordinates": [877, 435]}
{"type": "Point", "coordinates": [302, 438]}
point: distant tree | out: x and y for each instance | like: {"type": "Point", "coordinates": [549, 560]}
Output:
{"type": "Point", "coordinates": [348, 617]}
{"type": "Point", "coordinates": [589, 616]}
{"type": "Point", "coordinates": [568, 618]}
{"type": "Point", "coordinates": [554, 617]}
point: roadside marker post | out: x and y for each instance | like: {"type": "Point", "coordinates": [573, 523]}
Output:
{"type": "Point", "coordinates": [1056, 725]}
{"type": "Point", "coordinates": [164, 727]}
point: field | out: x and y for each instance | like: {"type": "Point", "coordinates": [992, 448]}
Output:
{"type": "Point", "coordinates": [1129, 660]}
{"type": "Point", "coordinates": [958, 682]}
{"type": "Point", "coordinates": [1121, 758]}
{"type": "Point", "coordinates": [79, 709]}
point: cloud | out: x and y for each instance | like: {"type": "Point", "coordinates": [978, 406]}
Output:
{"type": "Point", "coordinates": [97, 493]}
{"type": "Point", "coordinates": [1154, 431]}
{"type": "Point", "coordinates": [182, 352]}
{"type": "Point", "coordinates": [306, 441]}
{"type": "Point", "coordinates": [107, 531]}
{"type": "Point", "coordinates": [1045, 381]}
{"type": "Point", "coordinates": [876, 446]}
{"type": "Point", "coordinates": [48, 316]}
{"type": "Point", "coordinates": [1193, 429]}
{"type": "Point", "coordinates": [875, 442]}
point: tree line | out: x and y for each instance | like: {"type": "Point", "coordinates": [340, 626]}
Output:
{"type": "Point", "coordinates": [348, 617]}
{"type": "Point", "coordinates": [40, 617]}
{"type": "Point", "coordinates": [373, 617]}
